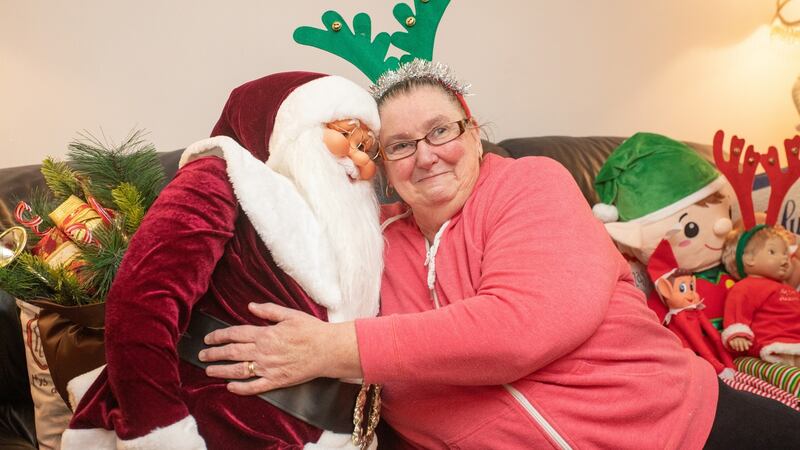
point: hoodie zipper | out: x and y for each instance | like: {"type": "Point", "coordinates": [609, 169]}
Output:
{"type": "Point", "coordinates": [537, 417]}
{"type": "Point", "coordinates": [430, 262]}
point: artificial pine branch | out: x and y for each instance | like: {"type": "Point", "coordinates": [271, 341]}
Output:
{"type": "Point", "coordinates": [129, 202]}
{"type": "Point", "coordinates": [107, 166]}
{"type": "Point", "coordinates": [22, 283]}
{"type": "Point", "coordinates": [103, 257]}
{"type": "Point", "coordinates": [61, 179]}
{"type": "Point", "coordinates": [32, 277]}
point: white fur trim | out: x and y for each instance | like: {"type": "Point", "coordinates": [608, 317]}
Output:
{"type": "Point", "coordinates": [317, 102]}
{"type": "Point", "coordinates": [93, 438]}
{"type": "Point", "coordinates": [77, 387]}
{"type": "Point", "coordinates": [736, 328]}
{"type": "Point", "coordinates": [337, 441]}
{"type": "Point", "coordinates": [685, 202]}
{"type": "Point", "coordinates": [181, 435]}
{"type": "Point", "coordinates": [282, 219]}
{"type": "Point", "coordinates": [727, 373]}
{"type": "Point", "coordinates": [606, 213]}
{"type": "Point", "coordinates": [785, 348]}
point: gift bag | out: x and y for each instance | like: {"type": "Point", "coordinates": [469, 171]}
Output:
{"type": "Point", "coordinates": [51, 413]}
{"type": "Point", "coordinates": [72, 341]}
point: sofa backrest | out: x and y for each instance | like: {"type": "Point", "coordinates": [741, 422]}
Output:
{"type": "Point", "coordinates": [582, 156]}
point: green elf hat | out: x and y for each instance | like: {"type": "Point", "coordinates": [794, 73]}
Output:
{"type": "Point", "coordinates": [649, 177]}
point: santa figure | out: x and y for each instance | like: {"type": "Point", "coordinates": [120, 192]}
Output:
{"type": "Point", "coordinates": [261, 212]}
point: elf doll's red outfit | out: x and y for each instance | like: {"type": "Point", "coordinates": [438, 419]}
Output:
{"type": "Point", "coordinates": [225, 232]}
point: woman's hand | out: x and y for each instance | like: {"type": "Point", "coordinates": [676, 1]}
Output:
{"type": "Point", "coordinates": [298, 348]}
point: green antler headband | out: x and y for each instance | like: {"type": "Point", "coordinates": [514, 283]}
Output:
{"type": "Point", "coordinates": [369, 55]}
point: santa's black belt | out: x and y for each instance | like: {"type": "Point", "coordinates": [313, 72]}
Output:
{"type": "Point", "coordinates": [325, 403]}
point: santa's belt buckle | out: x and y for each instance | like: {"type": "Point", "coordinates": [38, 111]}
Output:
{"type": "Point", "coordinates": [364, 424]}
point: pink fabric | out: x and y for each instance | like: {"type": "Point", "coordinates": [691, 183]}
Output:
{"type": "Point", "coordinates": [698, 334]}
{"type": "Point", "coordinates": [770, 308]}
{"type": "Point", "coordinates": [533, 294]}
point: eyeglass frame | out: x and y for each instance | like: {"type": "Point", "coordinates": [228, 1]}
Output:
{"type": "Point", "coordinates": [348, 134]}
{"type": "Point", "coordinates": [462, 125]}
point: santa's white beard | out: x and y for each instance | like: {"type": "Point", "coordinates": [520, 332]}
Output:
{"type": "Point", "coordinates": [347, 211]}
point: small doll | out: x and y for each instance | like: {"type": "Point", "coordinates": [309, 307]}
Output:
{"type": "Point", "coordinates": [762, 313]}
{"type": "Point", "coordinates": [677, 288]}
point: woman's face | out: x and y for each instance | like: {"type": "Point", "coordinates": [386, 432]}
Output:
{"type": "Point", "coordinates": [434, 176]}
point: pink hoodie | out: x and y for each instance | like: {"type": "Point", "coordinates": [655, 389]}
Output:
{"type": "Point", "coordinates": [533, 334]}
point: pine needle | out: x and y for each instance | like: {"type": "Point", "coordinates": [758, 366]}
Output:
{"type": "Point", "coordinates": [103, 257]}
{"type": "Point", "coordinates": [134, 161]}
{"type": "Point", "coordinates": [130, 203]}
{"type": "Point", "coordinates": [61, 179]}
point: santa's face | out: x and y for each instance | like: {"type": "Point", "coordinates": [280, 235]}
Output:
{"type": "Point", "coordinates": [354, 140]}
{"type": "Point", "coordinates": [696, 235]}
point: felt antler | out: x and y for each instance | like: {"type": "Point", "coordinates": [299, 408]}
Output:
{"type": "Point", "coordinates": [742, 181]}
{"type": "Point", "coordinates": [779, 181]}
{"type": "Point", "coordinates": [356, 46]}
{"type": "Point", "coordinates": [421, 27]}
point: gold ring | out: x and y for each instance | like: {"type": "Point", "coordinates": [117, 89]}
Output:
{"type": "Point", "coordinates": [251, 367]}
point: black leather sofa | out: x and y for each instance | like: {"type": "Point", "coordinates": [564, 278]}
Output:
{"type": "Point", "coordinates": [582, 156]}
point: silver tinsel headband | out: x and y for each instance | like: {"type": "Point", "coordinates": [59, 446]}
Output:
{"type": "Point", "coordinates": [419, 69]}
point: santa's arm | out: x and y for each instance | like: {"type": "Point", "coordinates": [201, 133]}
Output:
{"type": "Point", "coordinates": [166, 269]}
{"type": "Point", "coordinates": [739, 310]}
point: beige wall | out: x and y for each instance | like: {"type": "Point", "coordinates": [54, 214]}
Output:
{"type": "Point", "coordinates": [679, 67]}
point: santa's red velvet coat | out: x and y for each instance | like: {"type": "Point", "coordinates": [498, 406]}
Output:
{"type": "Point", "coordinates": [198, 248]}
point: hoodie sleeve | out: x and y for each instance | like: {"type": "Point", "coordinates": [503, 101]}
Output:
{"type": "Point", "coordinates": [548, 271]}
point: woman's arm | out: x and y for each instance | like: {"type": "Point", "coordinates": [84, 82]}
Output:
{"type": "Point", "coordinates": [166, 269]}
{"type": "Point", "coordinates": [548, 273]}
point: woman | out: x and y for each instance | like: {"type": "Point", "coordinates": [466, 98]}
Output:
{"type": "Point", "coordinates": [509, 319]}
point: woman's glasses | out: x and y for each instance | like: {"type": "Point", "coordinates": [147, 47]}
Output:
{"type": "Point", "coordinates": [440, 135]}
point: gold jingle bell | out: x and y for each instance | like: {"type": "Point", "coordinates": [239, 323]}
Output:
{"type": "Point", "coordinates": [12, 243]}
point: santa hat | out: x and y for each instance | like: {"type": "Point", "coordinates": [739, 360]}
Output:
{"type": "Point", "coordinates": [262, 113]}
{"type": "Point", "coordinates": [649, 177]}
{"type": "Point", "coordinates": [662, 263]}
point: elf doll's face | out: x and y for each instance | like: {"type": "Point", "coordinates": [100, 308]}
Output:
{"type": "Point", "coordinates": [680, 292]}
{"type": "Point", "coordinates": [695, 234]}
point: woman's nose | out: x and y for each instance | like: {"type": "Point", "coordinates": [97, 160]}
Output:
{"type": "Point", "coordinates": [722, 226]}
{"type": "Point", "coordinates": [426, 154]}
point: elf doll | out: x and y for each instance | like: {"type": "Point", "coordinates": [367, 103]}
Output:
{"type": "Point", "coordinates": [654, 188]}
{"type": "Point", "coordinates": [685, 317]}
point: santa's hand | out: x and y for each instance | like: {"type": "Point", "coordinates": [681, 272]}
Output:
{"type": "Point", "coordinates": [740, 344]}
{"type": "Point", "coordinates": [298, 348]}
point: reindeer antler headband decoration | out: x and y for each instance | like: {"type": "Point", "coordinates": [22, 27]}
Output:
{"type": "Point", "coordinates": [369, 55]}
{"type": "Point", "coordinates": [741, 180]}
